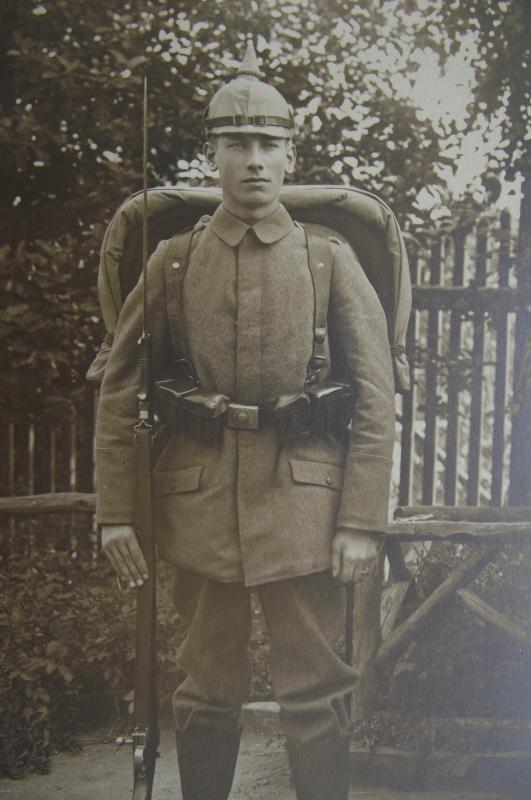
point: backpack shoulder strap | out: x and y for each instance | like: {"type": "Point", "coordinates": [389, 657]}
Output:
{"type": "Point", "coordinates": [177, 259]}
{"type": "Point", "coordinates": [320, 261]}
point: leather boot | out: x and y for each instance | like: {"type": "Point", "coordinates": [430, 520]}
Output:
{"type": "Point", "coordinates": [207, 760]}
{"type": "Point", "coordinates": [320, 769]}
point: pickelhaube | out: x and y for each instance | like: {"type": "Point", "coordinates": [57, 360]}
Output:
{"type": "Point", "coordinates": [248, 105]}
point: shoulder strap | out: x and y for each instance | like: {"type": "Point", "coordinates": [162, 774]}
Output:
{"type": "Point", "coordinates": [175, 268]}
{"type": "Point", "coordinates": [176, 262]}
{"type": "Point", "coordinates": [320, 262]}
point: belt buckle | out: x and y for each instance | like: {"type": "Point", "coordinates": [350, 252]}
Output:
{"type": "Point", "coordinates": [242, 417]}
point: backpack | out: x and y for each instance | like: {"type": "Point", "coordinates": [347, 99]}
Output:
{"type": "Point", "coordinates": [360, 218]}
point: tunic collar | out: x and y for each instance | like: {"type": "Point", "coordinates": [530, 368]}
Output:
{"type": "Point", "coordinates": [269, 229]}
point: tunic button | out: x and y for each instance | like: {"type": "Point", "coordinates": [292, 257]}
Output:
{"type": "Point", "coordinates": [242, 417]}
{"type": "Point", "coordinates": [329, 480]}
{"type": "Point", "coordinates": [175, 265]}
{"type": "Point", "coordinates": [320, 264]}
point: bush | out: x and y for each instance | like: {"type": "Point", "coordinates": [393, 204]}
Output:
{"type": "Point", "coordinates": [458, 665]}
{"type": "Point", "coordinates": [68, 653]}
{"type": "Point", "coordinates": [64, 637]}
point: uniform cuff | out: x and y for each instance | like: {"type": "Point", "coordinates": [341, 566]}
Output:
{"type": "Point", "coordinates": [116, 491]}
{"type": "Point", "coordinates": [365, 495]}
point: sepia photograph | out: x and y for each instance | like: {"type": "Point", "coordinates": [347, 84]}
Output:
{"type": "Point", "coordinates": [265, 485]}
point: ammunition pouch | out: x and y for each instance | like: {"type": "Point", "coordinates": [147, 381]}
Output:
{"type": "Point", "coordinates": [291, 414]}
{"type": "Point", "coordinates": [184, 407]}
{"type": "Point", "coordinates": [330, 408]}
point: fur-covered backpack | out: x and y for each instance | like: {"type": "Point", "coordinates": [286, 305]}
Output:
{"type": "Point", "coordinates": [359, 217]}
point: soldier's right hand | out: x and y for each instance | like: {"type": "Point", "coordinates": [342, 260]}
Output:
{"type": "Point", "coordinates": [120, 545]}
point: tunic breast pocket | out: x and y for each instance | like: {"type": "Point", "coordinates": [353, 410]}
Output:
{"type": "Point", "coordinates": [317, 473]}
{"type": "Point", "coordinates": [177, 481]}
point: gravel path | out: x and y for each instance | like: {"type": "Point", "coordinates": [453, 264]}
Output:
{"type": "Point", "coordinates": [102, 771]}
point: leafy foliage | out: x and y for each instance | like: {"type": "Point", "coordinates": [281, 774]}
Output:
{"type": "Point", "coordinates": [461, 666]}
{"type": "Point", "coordinates": [68, 645]}
{"type": "Point", "coordinates": [62, 639]}
{"type": "Point", "coordinates": [501, 59]}
{"type": "Point", "coordinates": [49, 324]}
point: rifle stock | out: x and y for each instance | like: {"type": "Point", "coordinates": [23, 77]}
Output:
{"type": "Point", "coordinates": [145, 737]}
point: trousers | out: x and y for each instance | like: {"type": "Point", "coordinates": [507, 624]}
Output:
{"type": "Point", "coordinates": [305, 619]}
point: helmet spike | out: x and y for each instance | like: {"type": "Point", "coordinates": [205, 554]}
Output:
{"type": "Point", "coordinates": [249, 65]}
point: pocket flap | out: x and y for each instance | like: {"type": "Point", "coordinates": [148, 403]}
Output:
{"type": "Point", "coordinates": [317, 473]}
{"type": "Point", "coordinates": [178, 480]}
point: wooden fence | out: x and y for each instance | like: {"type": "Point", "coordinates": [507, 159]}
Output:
{"type": "Point", "coordinates": [455, 423]}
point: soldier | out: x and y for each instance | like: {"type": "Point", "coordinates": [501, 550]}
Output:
{"type": "Point", "coordinates": [295, 516]}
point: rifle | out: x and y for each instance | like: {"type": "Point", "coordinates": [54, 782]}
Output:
{"type": "Point", "coordinates": [349, 633]}
{"type": "Point", "coordinates": [145, 735]}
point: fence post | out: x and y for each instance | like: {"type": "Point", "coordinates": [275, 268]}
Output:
{"type": "Point", "coordinates": [407, 451]}
{"type": "Point", "coordinates": [454, 347]}
{"type": "Point", "coordinates": [430, 415]}
{"type": "Point", "coordinates": [476, 388]}
{"type": "Point", "coordinates": [520, 470]}
{"type": "Point", "coordinates": [500, 387]}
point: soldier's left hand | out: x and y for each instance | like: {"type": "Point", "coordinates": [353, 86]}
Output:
{"type": "Point", "coordinates": [354, 555]}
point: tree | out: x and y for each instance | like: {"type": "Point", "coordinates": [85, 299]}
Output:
{"type": "Point", "coordinates": [501, 62]}
{"type": "Point", "coordinates": [71, 143]}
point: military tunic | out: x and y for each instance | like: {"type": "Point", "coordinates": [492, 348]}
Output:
{"type": "Point", "coordinates": [252, 508]}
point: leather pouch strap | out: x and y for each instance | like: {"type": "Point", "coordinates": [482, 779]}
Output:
{"type": "Point", "coordinates": [320, 264]}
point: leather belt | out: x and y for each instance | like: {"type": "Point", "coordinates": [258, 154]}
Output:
{"type": "Point", "coordinates": [321, 409]}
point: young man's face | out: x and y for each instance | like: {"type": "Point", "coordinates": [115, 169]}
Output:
{"type": "Point", "coordinates": [251, 170]}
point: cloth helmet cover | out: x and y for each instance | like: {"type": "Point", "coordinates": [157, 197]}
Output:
{"type": "Point", "coordinates": [248, 105]}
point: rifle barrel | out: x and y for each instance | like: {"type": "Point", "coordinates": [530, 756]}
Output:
{"type": "Point", "coordinates": [145, 209]}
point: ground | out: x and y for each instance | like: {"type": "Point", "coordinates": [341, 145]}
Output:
{"type": "Point", "coordinates": [102, 770]}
